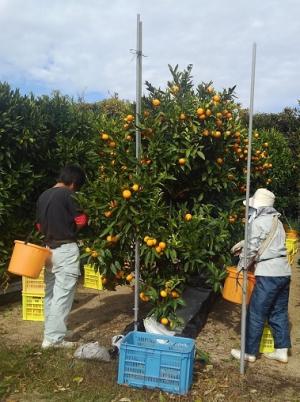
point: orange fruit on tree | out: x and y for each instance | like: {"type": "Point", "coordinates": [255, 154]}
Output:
{"type": "Point", "coordinates": [158, 249]}
{"type": "Point", "coordinates": [126, 194]}
{"type": "Point", "coordinates": [129, 118]}
{"type": "Point", "coordinates": [87, 250]}
{"type": "Point", "coordinates": [208, 112]}
{"type": "Point", "coordinates": [220, 161]}
{"type": "Point", "coordinates": [182, 116]}
{"type": "Point", "coordinates": [205, 133]}
{"type": "Point", "coordinates": [109, 238]}
{"type": "Point", "coordinates": [149, 242]}
{"type": "Point", "coordinates": [128, 138]}
{"type": "Point", "coordinates": [146, 238]}
{"type": "Point", "coordinates": [115, 239]}
{"type": "Point", "coordinates": [105, 136]}
{"type": "Point", "coordinates": [107, 214]}
{"type": "Point", "coordinates": [146, 113]}
{"type": "Point", "coordinates": [266, 144]}
{"type": "Point", "coordinates": [129, 277]}
{"type": "Point", "coordinates": [202, 116]}
{"type": "Point", "coordinates": [217, 134]}
{"type": "Point", "coordinates": [94, 254]}
{"type": "Point", "coordinates": [200, 111]}
{"type": "Point", "coordinates": [163, 293]}
{"type": "Point", "coordinates": [216, 98]}
{"type": "Point", "coordinates": [219, 115]}
{"type": "Point", "coordinates": [162, 245]}
{"type": "Point", "coordinates": [256, 135]}
{"type": "Point", "coordinates": [155, 102]}
{"type": "Point", "coordinates": [182, 161]}
{"type": "Point", "coordinates": [112, 144]}
{"type": "Point", "coordinates": [174, 294]}
{"type": "Point", "coordinates": [164, 321]}
{"type": "Point", "coordinates": [188, 217]}
{"type": "Point", "coordinates": [135, 187]}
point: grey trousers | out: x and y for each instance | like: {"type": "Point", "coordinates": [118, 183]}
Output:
{"type": "Point", "coordinates": [61, 275]}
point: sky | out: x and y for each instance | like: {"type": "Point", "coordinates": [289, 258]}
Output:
{"type": "Point", "coordinates": [83, 48]}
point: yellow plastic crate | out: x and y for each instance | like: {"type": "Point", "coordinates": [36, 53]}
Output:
{"type": "Point", "coordinates": [34, 286]}
{"type": "Point", "coordinates": [291, 246]}
{"type": "Point", "coordinates": [33, 307]}
{"type": "Point", "coordinates": [267, 341]}
{"type": "Point", "coordinates": [92, 279]}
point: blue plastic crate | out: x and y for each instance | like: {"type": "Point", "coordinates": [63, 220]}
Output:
{"type": "Point", "coordinates": [156, 361]}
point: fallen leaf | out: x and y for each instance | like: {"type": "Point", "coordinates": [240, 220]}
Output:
{"type": "Point", "coordinates": [78, 380]}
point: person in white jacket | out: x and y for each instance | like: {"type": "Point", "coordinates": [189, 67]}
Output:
{"type": "Point", "coordinates": [269, 300]}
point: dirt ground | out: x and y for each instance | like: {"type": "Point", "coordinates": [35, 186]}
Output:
{"type": "Point", "coordinates": [100, 315]}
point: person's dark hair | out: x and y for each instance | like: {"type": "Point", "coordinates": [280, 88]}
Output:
{"type": "Point", "coordinates": [72, 174]}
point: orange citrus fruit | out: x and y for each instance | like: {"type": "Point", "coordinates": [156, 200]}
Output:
{"type": "Point", "coordinates": [105, 136]}
{"type": "Point", "coordinates": [129, 118]}
{"type": "Point", "coordinates": [188, 217]}
{"type": "Point", "coordinates": [200, 111]}
{"type": "Point", "coordinates": [162, 245]}
{"type": "Point", "coordinates": [163, 293]}
{"type": "Point", "coordinates": [164, 321]}
{"type": "Point", "coordinates": [182, 161]}
{"type": "Point", "coordinates": [135, 187]}
{"type": "Point", "coordinates": [155, 102]}
{"type": "Point", "coordinates": [126, 194]}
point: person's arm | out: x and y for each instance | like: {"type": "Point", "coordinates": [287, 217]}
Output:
{"type": "Point", "coordinates": [256, 236]}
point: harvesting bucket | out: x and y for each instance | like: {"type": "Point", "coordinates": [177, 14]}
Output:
{"type": "Point", "coordinates": [233, 286]}
{"type": "Point", "coordinates": [291, 234]}
{"type": "Point", "coordinates": [28, 259]}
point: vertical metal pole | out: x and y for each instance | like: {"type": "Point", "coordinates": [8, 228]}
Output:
{"type": "Point", "coordinates": [244, 303]}
{"type": "Point", "coordinates": [138, 156]}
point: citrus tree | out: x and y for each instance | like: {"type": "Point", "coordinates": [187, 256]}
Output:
{"type": "Point", "coordinates": [178, 201]}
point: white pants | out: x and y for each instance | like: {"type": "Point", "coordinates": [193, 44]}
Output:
{"type": "Point", "coordinates": [61, 274]}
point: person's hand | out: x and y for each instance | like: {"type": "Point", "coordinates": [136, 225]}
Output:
{"type": "Point", "coordinates": [237, 248]}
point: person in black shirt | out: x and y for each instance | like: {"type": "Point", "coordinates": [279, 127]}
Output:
{"type": "Point", "coordinates": [59, 218]}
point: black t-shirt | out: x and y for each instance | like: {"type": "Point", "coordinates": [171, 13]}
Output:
{"type": "Point", "coordinates": [56, 211]}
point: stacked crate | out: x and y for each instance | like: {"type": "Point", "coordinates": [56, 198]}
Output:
{"type": "Point", "coordinates": [92, 278]}
{"type": "Point", "coordinates": [33, 293]}
{"type": "Point", "coordinates": [292, 248]}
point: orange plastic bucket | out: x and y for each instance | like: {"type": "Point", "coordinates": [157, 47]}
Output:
{"type": "Point", "coordinates": [28, 259]}
{"type": "Point", "coordinates": [233, 286]}
{"type": "Point", "coordinates": [291, 234]}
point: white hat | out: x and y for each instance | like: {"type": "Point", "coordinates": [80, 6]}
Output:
{"type": "Point", "coordinates": [261, 198]}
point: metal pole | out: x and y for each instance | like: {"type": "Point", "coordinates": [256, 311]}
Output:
{"type": "Point", "coordinates": [138, 155]}
{"type": "Point", "coordinates": [244, 303]}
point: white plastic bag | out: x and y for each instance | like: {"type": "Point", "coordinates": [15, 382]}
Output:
{"type": "Point", "coordinates": [92, 351]}
{"type": "Point", "coordinates": [154, 327]}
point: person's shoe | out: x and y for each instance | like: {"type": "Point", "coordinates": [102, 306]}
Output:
{"type": "Point", "coordinates": [280, 355]}
{"type": "Point", "coordinates": [236, 353]}
{"type": "Point", "coordinates": [62, 344]}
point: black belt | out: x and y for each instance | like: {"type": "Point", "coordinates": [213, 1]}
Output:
{"type": "Point", "coordinates": [57, 243]}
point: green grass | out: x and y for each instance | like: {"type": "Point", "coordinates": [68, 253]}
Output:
{"type": "Point", "coordinates": [54, 375]}
{"type": "Point", "coordinates": [28, 374]}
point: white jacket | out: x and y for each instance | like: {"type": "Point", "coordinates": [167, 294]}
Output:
{"type": "Point", "coordinates": [273, 261]}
